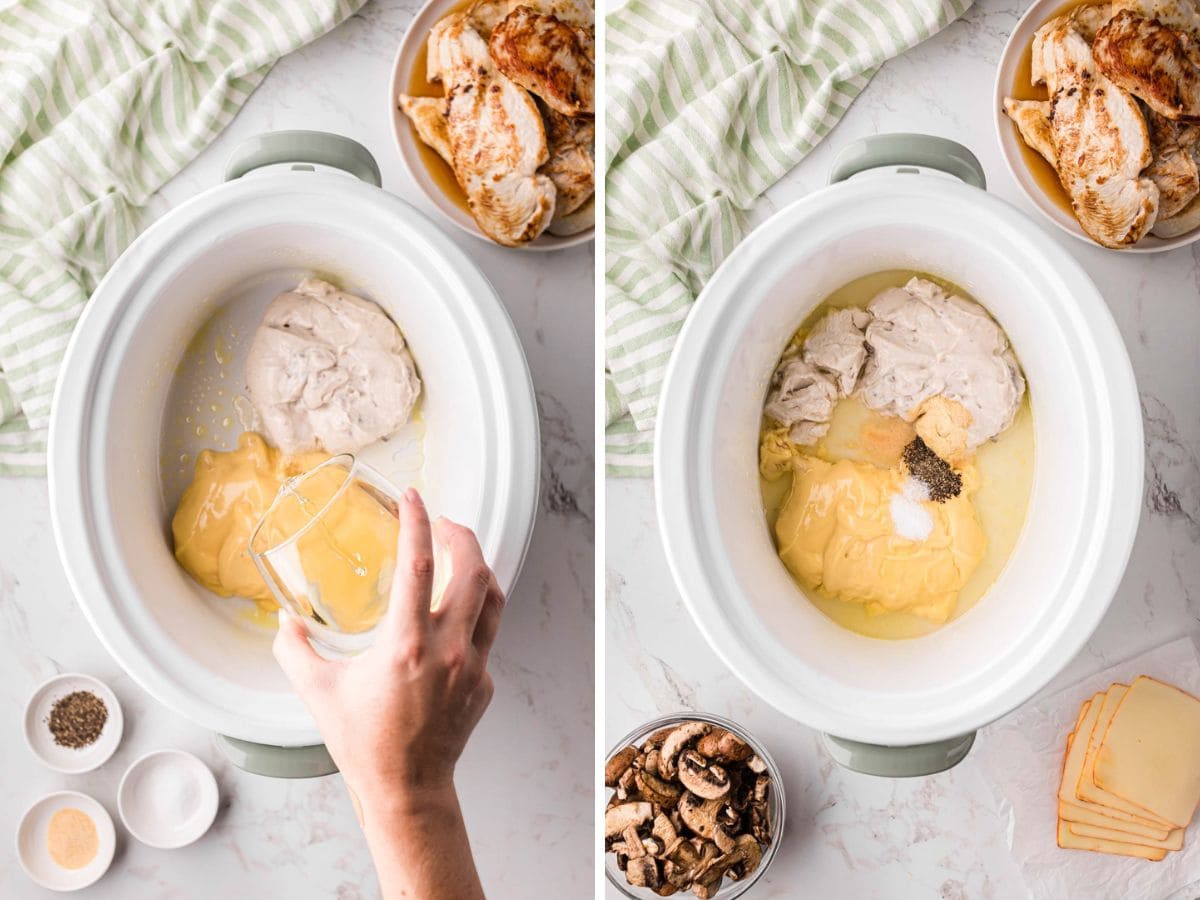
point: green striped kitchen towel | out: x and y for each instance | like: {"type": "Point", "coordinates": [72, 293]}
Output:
{"type": "Point", "coordinates": [100, 104]}
{"type": "Point", "coordinates": [709, 103]}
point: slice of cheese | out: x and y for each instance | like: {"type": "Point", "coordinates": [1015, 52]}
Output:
{"type": "Point", "coordinates": [1068, 840]}
{"type": "Point", "coordinates": [1150, 752]}
{"type": "Point", "coordinates": [1083, 815]}
{"type": "Point", "coordinates": [1077, 811]}
{"type": "Point", "coordinates": [1086, 787]}
{"type": "Point", "coordinates": [1173, 840]}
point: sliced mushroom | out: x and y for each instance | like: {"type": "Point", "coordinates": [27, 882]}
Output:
{"type": "Point", "coordinates": [744, 858]}
{"type": "Point", "coordinates": [757, 764]}
{"type": "Point", "coordinates": [643, 872]}
{"type": "Point", "coordinates": [699, 815]}
{"type": "Point", "coordinates": [666, 833]}
{"type": "Point", "coordinates": [701, 778]}
{"type": "Point", "coordinates": [633, 843]}
{"type": "Point", "coordinates": [725, 841]}
{"type": "Point", "coordinates": [676, 741]}
{"type": "Point", "coordinates": [762, 785]}
{"type": "Point", "coordinates": [618, 818]}
{"type": "Point", "coordinates": [616, 766]}
{"type": "Point", "coordinates": [650, 762]}
{"type": "Point", "coordinates": [627, 785]}
{"type": "Point", "coordinates": [724, 746]}
{"type": "Point", "coordinates": [656, 790]}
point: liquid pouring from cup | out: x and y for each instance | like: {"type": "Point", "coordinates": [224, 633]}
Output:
{"type": "Point", "coordinates": [326, 547]}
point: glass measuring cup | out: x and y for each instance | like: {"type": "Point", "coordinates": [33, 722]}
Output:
{"type": "Point", "coordinates": [326, 547]}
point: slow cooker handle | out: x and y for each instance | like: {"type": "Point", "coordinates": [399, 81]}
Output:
{"type": "Point", "coordinates": [277, 762]}
{"type": "Point", "coordinates": [899, 762]}
{"type": "Point", "coordinates": [886, 150]}
{"type": "Point", "coordinates": [315, 147]}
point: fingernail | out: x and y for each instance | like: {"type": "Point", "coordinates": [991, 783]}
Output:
{"type": "Point", "coordinates": [412, 496]}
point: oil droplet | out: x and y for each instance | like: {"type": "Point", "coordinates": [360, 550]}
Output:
{"type": "Point", "coordinates": [226, 422]}
{"type": "Point", "coordinates": [187, 420]}
{"type": "Point", "coordinates": [214, 408]}
{"type": "Point", "coordinates": [220, 392]}
{"type": "Point", "coordinates": [201, 431]}
{"type": "Point", "coordinates": [185, 458]}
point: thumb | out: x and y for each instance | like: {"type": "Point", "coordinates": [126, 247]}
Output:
{"type": "Point", "coordinates": [294, 653]}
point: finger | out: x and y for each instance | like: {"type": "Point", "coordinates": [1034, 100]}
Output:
{"type": "Point", "coordinates": [412, 583]}
{"type": "Point", "coordinates": [295, 655]}
{"type": "Point", "coordinates": [488, 623]}
{"type": "Point", "coordinates": [470, 579]}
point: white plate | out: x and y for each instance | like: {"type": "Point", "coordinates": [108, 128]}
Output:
{"type": "Point", "coordinates": [41, 741]}
{"type": "Point", "coordinates": [168, 799]}
{"type": "Point", "coordinates": [34, 855]}
{"type": "Point", "coordinates": [407, 140]}
{"type": "Point", "coordinates": [1010, 141]}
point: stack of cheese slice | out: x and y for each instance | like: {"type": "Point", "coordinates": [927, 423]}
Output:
{"type": "Point", "coordinates": [1131, 776]}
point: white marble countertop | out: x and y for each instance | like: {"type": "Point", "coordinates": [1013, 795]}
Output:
{"type": "Point", "coordinates": [855, 836]}
{"type": "Point", "coordinates": [526, 778]}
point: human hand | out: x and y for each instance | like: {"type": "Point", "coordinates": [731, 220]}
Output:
{"type": "Point", "coordinates": [396, 717]}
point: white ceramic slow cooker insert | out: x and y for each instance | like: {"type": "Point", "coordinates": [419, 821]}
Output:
{"type": "Point", "coordinates": [1082, 514]}
{"type": "Point", "coordinates": [241, 243]}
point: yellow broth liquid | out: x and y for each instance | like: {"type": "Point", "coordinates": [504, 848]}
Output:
{"type": "Point", "coordinates": [420, 86]}
{"type": "Point", "coordinates": [1005, 472]}
{"type": "Point", "coordinates": [1022, 89]}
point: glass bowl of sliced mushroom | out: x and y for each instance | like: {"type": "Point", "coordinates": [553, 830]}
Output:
{"type": "Point", "coordinates": [696, 805]}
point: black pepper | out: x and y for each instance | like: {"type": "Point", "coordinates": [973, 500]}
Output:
{"type": "Point", "coordinates": [932, 471]}
{"type": "Point", "coordinates": [77, 719]}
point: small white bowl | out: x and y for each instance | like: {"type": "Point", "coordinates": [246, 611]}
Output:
{"type": "Point", "coordinates": [407, 140]}
{"type": "Point", "coordinates": [34, 854]}
{"type": "Point", "coordinates": [167, 799]}
{"type": "Point", "coordinates": [1010, 141]}
{"type": "Point", "coordinates": [41, 741]}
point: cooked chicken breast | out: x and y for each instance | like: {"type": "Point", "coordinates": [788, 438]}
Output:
{"type": "Point", "coordinates": [1173, 168]}
{"type": "Point", "coordinates": [1180, 14]}
{"type": "Point", "coordinates": [487, 14]}
{"type": "Point", "coordinates": [496, 136]}
{"type": "Point", "coordinates": [1087, 20]}
{"type": "Point", "coordinates": [1159, 64]}
{"type": "Point", "coordinates": [1032, 118]}
{"type": "Point", "coordinates": [547, 57]}
{"type": "Point", "coordinates": [1182, 222]}
{"type": "Point", "coordinates": [1099, 137]}
{"type": "Point", "coordinates": [428, 115]}
{"type": "Point", "coordinates": [572, 164]}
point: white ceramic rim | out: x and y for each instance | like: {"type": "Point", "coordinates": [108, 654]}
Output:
{"type": "Point", "coordinates": [72, 423]}
{"type": "Point", "coordinates": [683, 498]}
{"type": "Point", "coordinates": [108, 841]}
{"type": "Point", "coordinates": [406, 142]}
{"type": "Point", "coordinates": [1006, 136]}
{"type": "Point", "coordinates": [210, 814]}
{"type": "Point", "coordinates": [116, 721]}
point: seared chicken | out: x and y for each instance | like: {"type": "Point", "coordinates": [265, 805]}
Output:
{"type": "Point", "coordinates": [1086, 20]}
{"type": "Point", "coordinates": [547, 57]}
{"type": "Point", "coordinates": [428, 115]}
{"type": "Point", "coordinates": [1173, 168]}
{"type": "Point", "coordinates": [1153, 61]}
{"type": "Point", "coordinates": [1032, 118]}
{"type": "Point", "coordinates": [487, 14]}
{"type": "Point", "coordinates": [1179, 14]}
{"type": "Point", "coordinates": [1099, 136]}
{"type": "Point", "coordinates": [571, 166]}
{"type": "Point", "coordinates": [1182, 222]}
{"type": "Point", "coordinates": [496, 136]}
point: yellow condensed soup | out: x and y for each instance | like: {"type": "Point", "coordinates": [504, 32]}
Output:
{"type": "Point", "coordinates": [229, 493]}
{"type": "Point", "coordinates": [829, 507]}
{"type": "Point", "coordinates": [343, 555]}
{"type": "Point", "coordinates": [836, 530]}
